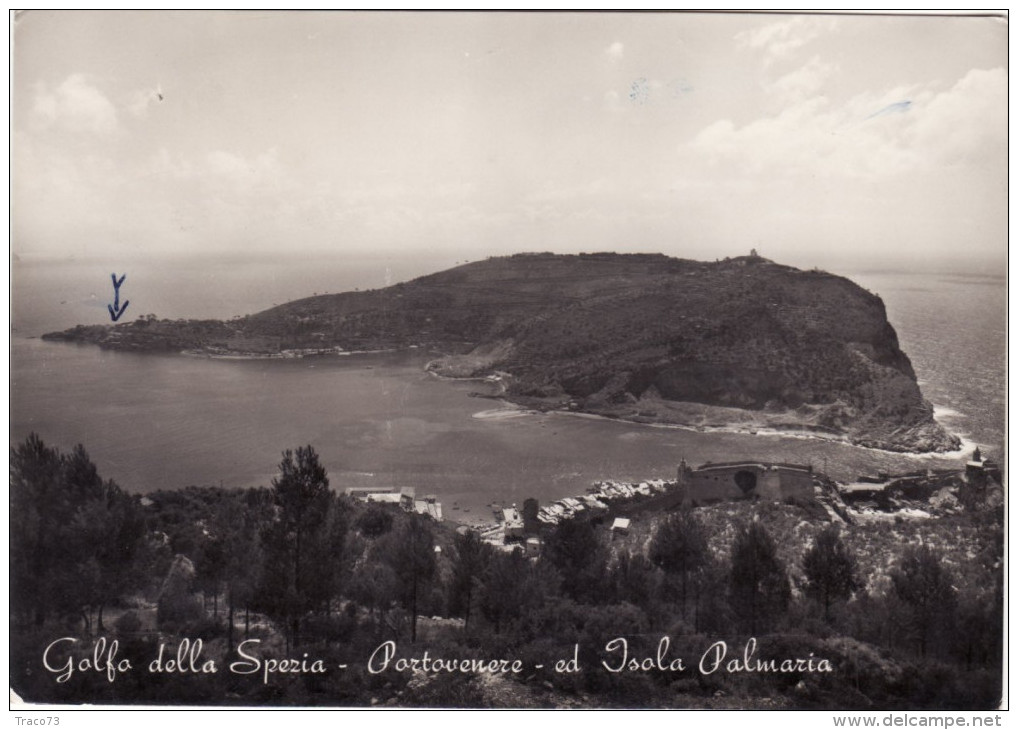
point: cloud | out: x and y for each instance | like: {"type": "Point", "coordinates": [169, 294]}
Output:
{"type": "Point", "coordinates": [779, 40]}
{"type": "Point", "coordinates": [221, 194]}
{"type": "Point", "coordinates": [142, 99]}
{"type": "Point", "coordinates": [75, 105]}
{"type": "Point", "coordinates": [220, 171]}
{"type": "Point", "coordinates": [963, 125]}
{"type": "Point", "coordinates": [84, 189]}
{"type": "Point", "coordinates": [249, 172]}
{"type": "Point", "coordinates": [825, 175]}
{"type": "Point", "coordinates": [805, 82]}
{"type": "Point", "coordinates": [166, 199]}
{"type": "Point", "coordinates": [615, 51]}
{"type": "Point", "coordinates": [967, 124]}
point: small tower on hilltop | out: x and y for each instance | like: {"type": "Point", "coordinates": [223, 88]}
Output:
{"type": "Point", "coordinates": [753, 253]}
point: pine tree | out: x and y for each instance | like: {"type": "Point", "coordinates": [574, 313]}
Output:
{"type": "Point", "coordinates": [37, 509]}
{"type": "Point", "coordinates": [504, 584]}
{"type": "Point", "coordinates": [634, 580]}
{"type": "Point", "coordinates": [472, 557]}
{"type": "Point", "coordinates": [830, 570]}
{"type": "Point", "coordinates": [575, 550]}
{"type": "Point", "coordinates": [758, 583]}
{"type": "Point", "coordinates": [530, 511]}
{"type": "Point", "coordinates": [924, 586]}
{"type": "Point", "coordinates": [74, 538]}
{"type": "Point", "coordinates": [326, 563]}
{"type": "Point", "coordinates": [301, 496]}
{"type": "Point", "coordinates": [410, 552]}
{"type": "Point", "coordinates": [375, 586]}
{"type": "Point", "coordinates": [238, 521]}
{"type": "Point", "coordinates": [679, 548]}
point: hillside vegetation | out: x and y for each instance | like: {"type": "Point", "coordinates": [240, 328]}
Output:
{"type": "Point", "coordinates": [896, 612]}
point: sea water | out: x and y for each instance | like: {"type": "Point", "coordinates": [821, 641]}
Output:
{"type": "Point", "coordinates": [155, 421]}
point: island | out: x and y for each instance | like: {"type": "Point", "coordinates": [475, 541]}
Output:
{"type": "Point", "coordinates": [742, 343]}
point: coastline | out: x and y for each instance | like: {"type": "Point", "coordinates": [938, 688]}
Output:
{"type": "Point", "coordinates": [510, 409]}
{"type": "Point", "coordinates": [515, 410]}
{"type": "Point", "coordinates": [520, 430]}
{"type": "Point", "coordinates": [497, 378]}
{"type": "Point", "coordinates": [805, 435]}
{"type": "Point", "coordinates": [284, 355]}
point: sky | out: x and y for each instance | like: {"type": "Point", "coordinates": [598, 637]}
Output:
{"type": "Point", "coordinates": [834, 141]}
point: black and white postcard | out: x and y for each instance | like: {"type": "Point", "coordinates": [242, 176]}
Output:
{"type": "Point", "coordinates": [508, 360]}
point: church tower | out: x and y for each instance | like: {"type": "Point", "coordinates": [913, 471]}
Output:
{"type": "Point", "coordinates": [684, 473]}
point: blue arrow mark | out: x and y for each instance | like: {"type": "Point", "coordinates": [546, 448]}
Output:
{"type": "Point", "coordinates": [115, 309]}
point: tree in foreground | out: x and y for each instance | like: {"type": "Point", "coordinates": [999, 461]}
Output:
{"type": "Point", "coordinates": [74, 538]}
{"type": "Point", "coordinates": [633, 579]}
{"type": "Point", "coordinates": [375, 586]}
{"type": "Point", "coordinates": [36, 511]}
{"type": "Point", "coordinates": [758, 583]}
{"type": "Point", "coordinates": [830, 570]}
{"type": "Point", "coordinates": [503, 586]}
{"type": "Point", "coordinates": [576, 551]}
{"type": "Point", "coordinates": [472, 556]}
{"type": "Point", "coordinates": [237, 559]}
{"type": "Point", "coordinates": [924, 586]}
{"type": "Point", "coordinates": [410, 552]}
{"type": "Point", "coordinates": [301, 498]}
{"type": "Point", "coordinates": [679, 548]}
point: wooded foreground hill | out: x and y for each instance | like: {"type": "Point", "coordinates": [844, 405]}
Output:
{"type": "Point", "coordinates": [906, 612]}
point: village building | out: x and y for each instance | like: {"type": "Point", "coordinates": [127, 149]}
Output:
{"type": "Point", "coordinates": [512, 523]}
{"type": "Point", "coordinates": [532, 547]}
{"type": "Point", "coordinates": [361, 494]}
{"type": "Point", "coordinates": [983, 480]}
{"type": "Point", "coordinates": [407, 497]}
{"type": "Point", "coordinates": [979, 471]}
{"type": "Point", "coordinates": [866, 492]}
{"type": "Point", "coordinates": [404, 498]}
{"type": "Point", "coordinates": [737, 480]}
{"type": "Point", "coordinates": [375, 495]}
{"type": "Point", "coordinates": [429, 506]}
